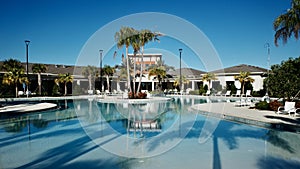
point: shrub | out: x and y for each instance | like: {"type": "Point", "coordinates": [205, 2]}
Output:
{"type": "Point", "coordinates": [297, 104]}
{"type": "Point", "coordinates": [142, 95]}
{"type": "Point", "coordinates": [139, 95]}
{"type": "Point", "coordinates": [259, 93]}
{"type": "Point", "coordinates": [194, 92]}
{"type": "Point", "coordinates": [262, 105]}
{"type": "Point", "coordinates": [274, 105]}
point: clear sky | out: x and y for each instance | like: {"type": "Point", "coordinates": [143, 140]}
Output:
{"type": "Point", "coordinates": [58, 29]}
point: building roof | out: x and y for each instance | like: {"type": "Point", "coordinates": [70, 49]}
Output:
{"type": "Point", "coordinates": [241, 68]}
{"type": "Point", "coordinates": [52, 69]}
{"type": "Point", "coordinates": [188, 72]}
{"type": "Point", "coordinates": [145, 55]}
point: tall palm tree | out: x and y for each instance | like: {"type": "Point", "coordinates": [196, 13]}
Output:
{"type": "Point", "coordinates": [209, 77]}
{"type": "Point", "coordinates": [123, 37]}
{"type": "Point", "coordinates": [244, 77]}
{"type": "Point", "coordinates": [39, 69]}
{"type": "Point", "coordinates": [144, 37]}
{"type": "Point", "coordinates": [135, 43]}
{"type": "Point", "coordinates": [161, 63]}
{"type": "Point", "coordinates": [122, 70]}
{"type": "Point", "coordinates": [160, 73]}
{"type": "Point", "coordinates": [15, 73]}
{"type": "Point", "coordinates": [288, 23]}
{"type": "Point", "coordinates": [91, 73]}
{"type": "Point", "coordinates": [108, 71]}
{"type": "Point", "coordinates": [65, 79]}
{"type": "Point", "coordinates": [184, 80]}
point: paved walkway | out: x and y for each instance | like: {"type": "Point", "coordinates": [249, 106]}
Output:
{"type": "Point", "coordinates": [268, 119]}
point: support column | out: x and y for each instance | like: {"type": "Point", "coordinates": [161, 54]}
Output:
{"type": "Point", "coordinates": [193, 85]}
{"type": "Point", "coordinates": [153, 86]}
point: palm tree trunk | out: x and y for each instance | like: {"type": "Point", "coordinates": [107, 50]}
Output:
{"type": "Point", "coordinates": [16, 89]}
{"type": "Point", "coordinates": [134, 72]}
{"type": "Point", "coordinates": [243, 85]}
{"type": "Point", "coordinates": [40, 83]}
{"type": "Point", "coordinates": [141, 73]}
{"type": "Point", "coordinates": [107, 81]}
{"type": "Point", "coordinates": [90, 82]}
{"type": "Point", "coordinates": [66, 89]}
{"type": "Point", "coordinates": [128, 73]}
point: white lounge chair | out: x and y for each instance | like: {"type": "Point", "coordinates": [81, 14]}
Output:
{"type": "Point", "coordinates": [227, 93]}
{"type": "Point", "coordinates": [288, 108]}
{"type": "Point", "coordinates": [90, 92]}
{"type": "Point", "coordinates": [98, 92]}
{"type": "Point", "coordinates": [107, 92]}
{"type": "Point", "coordinates": [219, 93]}
{"type": "Point", "coordinates": [243, 102]}
{"type": "Point", "coordinates": [238, 93]}
{"type": "Point", "coordinates": [20, 93]}
{"type": "Point", "coordinates": [207, 93]}
{"type": "Point", "coordinates": [248, 93]}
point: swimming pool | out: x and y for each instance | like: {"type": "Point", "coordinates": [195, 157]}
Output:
{"type": "Point", "coordinates": [92, 134]}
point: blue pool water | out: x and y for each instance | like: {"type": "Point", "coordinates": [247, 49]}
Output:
{"type": "Point", "coordinates": [91, 134]}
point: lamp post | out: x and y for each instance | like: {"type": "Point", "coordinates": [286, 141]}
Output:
{"type": "Point", "coordinates": [267, 98]}
{"type": "Point", "coordinates": [27, 44]}
{"type": "Point", "coordinates": [180, 50]}
{"type": "Point", "coordinates": [101, 69]}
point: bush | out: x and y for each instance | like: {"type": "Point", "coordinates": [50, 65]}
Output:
{"type": "Point", "coordinates": [139, 95]}
{"type": "Point", "coordinates": [274, 105]}
{"type": "Point", "coordinates": [197, 92]}
{"type": "Point", "coordinates": [259, 93]}
{"type": "Point", "coordinates": [262, 105]}
{"type": "Point", "coordinates": [142, 95]}
{"type": "Point", "coordinates": [297, 104]}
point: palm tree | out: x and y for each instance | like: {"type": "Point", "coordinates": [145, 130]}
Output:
{"type": "Point", "coordinates": [15, 73]}
{"type": "Point", "coordinates": [39, 69]}
{"type": "Point", "coordinates": [123, 37]}
{"type": "Point", "coordinates": [244, 77]}
{"type": "Point", "coordinates": [184, 80]}
{"type": "Point", "coordinates": [65, 79]}
{"type": "Point", "coordinates": [135, 43]}
{"type": "Point", "coordinates": [209, 77]}
{"type": "Point", "coordinates": [144, 37]}
{"type": "Point", "coordinates": [108, 71]}
{"type": "Point", "coordinates": [288, 23]}
{"type": "Point", "coordinates": [161, 63]}
{"type": "Point", "coordinates": [160, 73]}
{"type": "Point", "coordinates": [90, 72]}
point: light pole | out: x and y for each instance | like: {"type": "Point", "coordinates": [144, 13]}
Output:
{"type": "Point", "coordinates": [27, 44]}
{"type": "Point", "coordinates": [101, 69]}
{"type": "Point", "coordinates": [267, 45]}
{"type": "Point", "coordinates": [180, 50]}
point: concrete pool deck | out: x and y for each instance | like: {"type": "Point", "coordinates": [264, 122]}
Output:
{"type": "Point", "coordinates": [243, 114]}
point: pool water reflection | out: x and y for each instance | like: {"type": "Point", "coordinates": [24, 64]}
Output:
{"type": "Point", "coordinates": [82, 134]}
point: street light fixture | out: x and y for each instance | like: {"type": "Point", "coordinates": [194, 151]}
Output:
{"type": "Point", "coordinates": [27, 44]}
{"type": "Point", "coordinates": [267, 98]}
{"type": "Point", "coordinates": [180, 78]}
{"type": "Point", "coordinates": [101, 51]}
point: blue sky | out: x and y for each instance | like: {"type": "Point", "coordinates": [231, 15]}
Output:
{"type": "Point", "coordinates": [59, 29]}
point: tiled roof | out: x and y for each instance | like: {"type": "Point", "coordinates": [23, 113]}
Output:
{"type": "Point", "coordinates": [241, 68]}
{"type": "Point", "coordinates": [53, 69]}
{"type": "Point", "coordinates": [188, 72]}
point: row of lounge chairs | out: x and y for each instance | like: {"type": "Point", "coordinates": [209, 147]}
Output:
{"type": "Point", "coordinates": [228, 94]}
